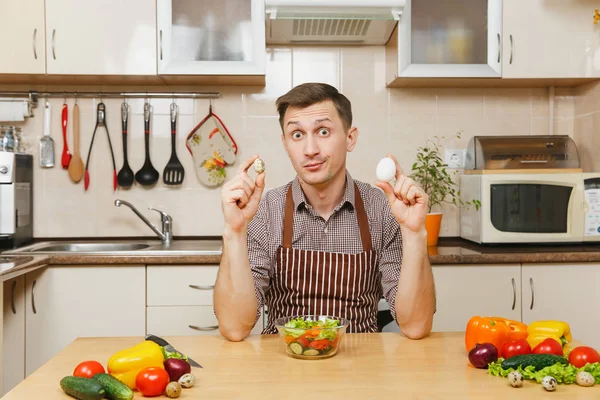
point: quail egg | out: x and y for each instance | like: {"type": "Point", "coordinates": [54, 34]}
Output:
{"type": "Point", "coordinates": [515, 378]}
{"type": "Point", "coordinates": [259, 165]}
{"type": "Point", "coordinates": [584, 378]}
{"type": "Point", "coordinates": [386, 169]}
{"type": "Point", "coordinates": [549, 383]}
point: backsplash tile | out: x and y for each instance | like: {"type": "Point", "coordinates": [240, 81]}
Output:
{"type": "Point", "coordinates": [395, 121]}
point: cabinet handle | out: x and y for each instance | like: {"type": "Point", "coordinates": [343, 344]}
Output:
{"type": "Point", "coordinates": [53, 36]}
{"type": "Point", "coordinates": [511, 49]}
{"type": "Point", "coordinates": [14, 288]}
{"type": "Point", "coordinates": [499, 47]}
{"type": "Point", "coordinates": [34, 47]}
{"type": "Point", "coordinates": [204, 328]}
{"type": "Point", "coordinates": [33, 297]}
{"type": "Point", "coordinates": [514, 293]}
{"type": "Point", "coordinates": [161, 56]}
{"type": "Point", "coordinates": [211, 287]}
{"type": "Point", "coordinates": [532, 293]}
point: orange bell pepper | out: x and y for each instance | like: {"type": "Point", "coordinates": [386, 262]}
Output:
{"type": "Point", "coordinates": [518, 330]}
{"type": "Point", "coordinates": [494, 330]}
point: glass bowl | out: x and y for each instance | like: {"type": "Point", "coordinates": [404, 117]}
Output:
{"type": "Point", "coordinates": [311, 337]}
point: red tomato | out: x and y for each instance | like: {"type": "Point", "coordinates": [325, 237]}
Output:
{"type": "Point", "coordinates": [582, 355]}
{"type": "Point", "coordinates": [549, 346]}
{"type": "Point", "coordinates": [152, 381]}
{"type": "Point", "coordinates": [87, 369]}
{"type": "Point", "coordinates": [304, 342]}
{"type": "Point", "coordinates": [321, 344]}
{"type": "Point", "coordinates": [515, 348]}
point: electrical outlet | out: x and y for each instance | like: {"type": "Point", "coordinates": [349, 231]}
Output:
{"type": "Point", "coordinates": [455, 158]}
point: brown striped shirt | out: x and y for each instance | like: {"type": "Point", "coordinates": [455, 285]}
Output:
{"type": "Point", "coordinates": [340, 233]}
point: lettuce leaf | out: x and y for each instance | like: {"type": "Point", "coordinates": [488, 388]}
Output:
{"type": "Point", "coordinates": [562, 373]}
{"type": "Point", "coordinates": [296, 333]}
{"type": "Point", "coordinates": [327, 334]}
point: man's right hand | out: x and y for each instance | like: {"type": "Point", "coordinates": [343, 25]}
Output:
{"type": "Point", "coordinates": [240, 197]}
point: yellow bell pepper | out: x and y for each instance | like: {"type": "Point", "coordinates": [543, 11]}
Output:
{"type": "Point", "coordinates": [127, 363]}
{"type": "Point", "coordinates": [538, 331]}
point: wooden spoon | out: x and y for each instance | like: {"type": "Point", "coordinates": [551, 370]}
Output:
{"type": "Point", "coordinates": [76, 163]}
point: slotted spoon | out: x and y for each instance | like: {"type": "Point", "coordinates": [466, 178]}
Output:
{"type": "Point", "coordinates": [173, 173]}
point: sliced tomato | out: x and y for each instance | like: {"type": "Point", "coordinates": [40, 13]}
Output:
{"type": "Point", "coordinates": [321, 344]}
{"type": "Point", "coordinates": [304, 342]}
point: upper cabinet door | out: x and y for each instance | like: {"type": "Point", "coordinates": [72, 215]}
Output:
{"type": "Point", "coordinates": [550, 39]}
{"type": "Point", "coordinates": [450, 39]}
{"type": "Point", "coordinates": [22, 37]}
{"type": "Point", "coordinates": [111, 37]}
{"type": "Point", "coordinates": [211, 37]}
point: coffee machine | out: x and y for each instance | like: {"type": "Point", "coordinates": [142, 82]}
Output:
{"type": "Point", "coordinates": [16, 199]}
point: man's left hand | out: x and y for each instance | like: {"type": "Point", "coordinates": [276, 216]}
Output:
{"type": "Point", "coordinates": [408, 202]}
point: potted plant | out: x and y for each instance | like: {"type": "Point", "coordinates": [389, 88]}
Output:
{"type": "Point", "coordinates": [430, 172]}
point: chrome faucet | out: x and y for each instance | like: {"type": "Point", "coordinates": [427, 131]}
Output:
{"type": "Point", "coordinates": [167, 222]}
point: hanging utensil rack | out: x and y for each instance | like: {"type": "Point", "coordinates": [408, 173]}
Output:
{"type": "Point", "coordinates": [33, 96]}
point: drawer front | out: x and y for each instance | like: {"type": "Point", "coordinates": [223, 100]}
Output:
{"type": "Point", "coordinates": [186, 321]}
{"type": "Point", "coordinates": [181, 285]}
{"type": "Point", "coordinates": [181, 321]}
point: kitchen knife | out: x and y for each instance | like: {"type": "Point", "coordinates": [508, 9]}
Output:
{"type": "Point", "coordinates": [162, 342]}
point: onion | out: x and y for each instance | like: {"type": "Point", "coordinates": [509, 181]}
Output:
{"type": "Point", "coordinates": [483, 354]}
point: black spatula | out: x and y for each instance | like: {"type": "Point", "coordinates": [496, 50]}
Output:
{"type": "Point", "coordinates": [174, 172]}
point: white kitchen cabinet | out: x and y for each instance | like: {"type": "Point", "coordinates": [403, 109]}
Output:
{"type": "Point", "coordinates": [550, 39]}
{"type": "Point", "coordinates": [22, 37]}
{"type": "Point", "coordinates": [466, 290]}
{"type": "Point", "coordinates": [111, 37]}
{"type": "Point", "coordinates": [211, 37]}
{"type": "Point", "coordinates": [13, 340]}
{"type": "Point", "coordinates": [180, 300]}
{"type": "Point", "coordinates": [181, 285]}
{"type": "Point", "coordinates": [446, 39]}
{"type": "Point", "coordinates": [67, 302]}
{"type": "Point", "coordinates": [565, 292]}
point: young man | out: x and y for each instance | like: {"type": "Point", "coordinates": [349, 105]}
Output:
{"type": "Point", "coordinates": [324, 243]}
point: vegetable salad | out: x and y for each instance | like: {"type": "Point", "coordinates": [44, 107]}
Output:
{"type": "Point", "coordinates": [308, 337]}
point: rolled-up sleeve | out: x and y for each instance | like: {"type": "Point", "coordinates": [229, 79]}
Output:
{"type": "Point", "coordinates": [390, 259]}
{"type": "Point", "coordinates": [258, 254]}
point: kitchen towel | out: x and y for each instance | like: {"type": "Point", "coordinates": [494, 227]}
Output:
{"type": "Point", "coordinates": [14, 111]}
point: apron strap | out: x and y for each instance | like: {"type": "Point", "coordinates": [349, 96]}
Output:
{"type": "Point", "coordinates": [361, 216]}
{"type": "Point", "coordinates": [363, 221]}
{"type": "Point", "coordinates": [288, 220]}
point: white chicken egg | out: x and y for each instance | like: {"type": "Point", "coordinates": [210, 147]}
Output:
{"type": "Point", "coordinates": [386, 169]}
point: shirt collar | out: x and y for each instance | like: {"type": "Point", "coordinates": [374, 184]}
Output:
{"type": "Point", "coordinates": [300, 199]}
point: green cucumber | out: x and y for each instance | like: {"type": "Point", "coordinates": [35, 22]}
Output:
{"type": "Point", "coordinates": [82, 388]}
{"type": "Point", "coordinates": [538, 361]}
{"type": "Point", "coordinates": [114, 388]}
{"type": "Point", "coordinates": [311, 352]}
{"type": "Point", "coordinates": [296, 348]}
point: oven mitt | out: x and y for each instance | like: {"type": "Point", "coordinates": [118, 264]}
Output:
{"type": "Point", "coordinates": [212, 149]}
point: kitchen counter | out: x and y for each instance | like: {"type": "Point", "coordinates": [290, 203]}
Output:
{"type": "Point", "coordinates": [368, 366]}
{"type": "Point", "coordinates": [199, 251]}
{"type": "Point", "coordinates": [13, 266]}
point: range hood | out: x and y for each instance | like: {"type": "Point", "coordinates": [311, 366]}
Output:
{"type": "Point", "coordinates": [338, 22]}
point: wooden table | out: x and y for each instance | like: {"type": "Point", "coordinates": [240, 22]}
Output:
{"type": "Point", "coordinates": [368, 366]}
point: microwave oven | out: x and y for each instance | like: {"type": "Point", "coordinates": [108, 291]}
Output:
{"type": "Point", "coordinates": [531, 208]}
{"type": "Point", "coordinates": [531, 189]}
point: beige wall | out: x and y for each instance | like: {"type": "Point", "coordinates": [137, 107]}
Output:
{"type": "Point", "coordinates": [587, 125]}
{"type": "Point", "coordinates": [389, 120]}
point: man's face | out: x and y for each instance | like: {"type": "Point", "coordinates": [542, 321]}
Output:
{"type": "Point", "coordinates": [316, 142]}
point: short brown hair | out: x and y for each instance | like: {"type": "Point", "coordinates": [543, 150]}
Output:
{"type": "Point", "coordinates": [307, 94]}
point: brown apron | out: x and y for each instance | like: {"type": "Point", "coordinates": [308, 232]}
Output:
{"type": "Point", "coordinates": [307, 282]}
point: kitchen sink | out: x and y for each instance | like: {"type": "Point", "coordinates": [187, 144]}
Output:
{"type": "Point", "coordinates": [122, 247]}
{"type": "Point", "coordinates": [89, 247]}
